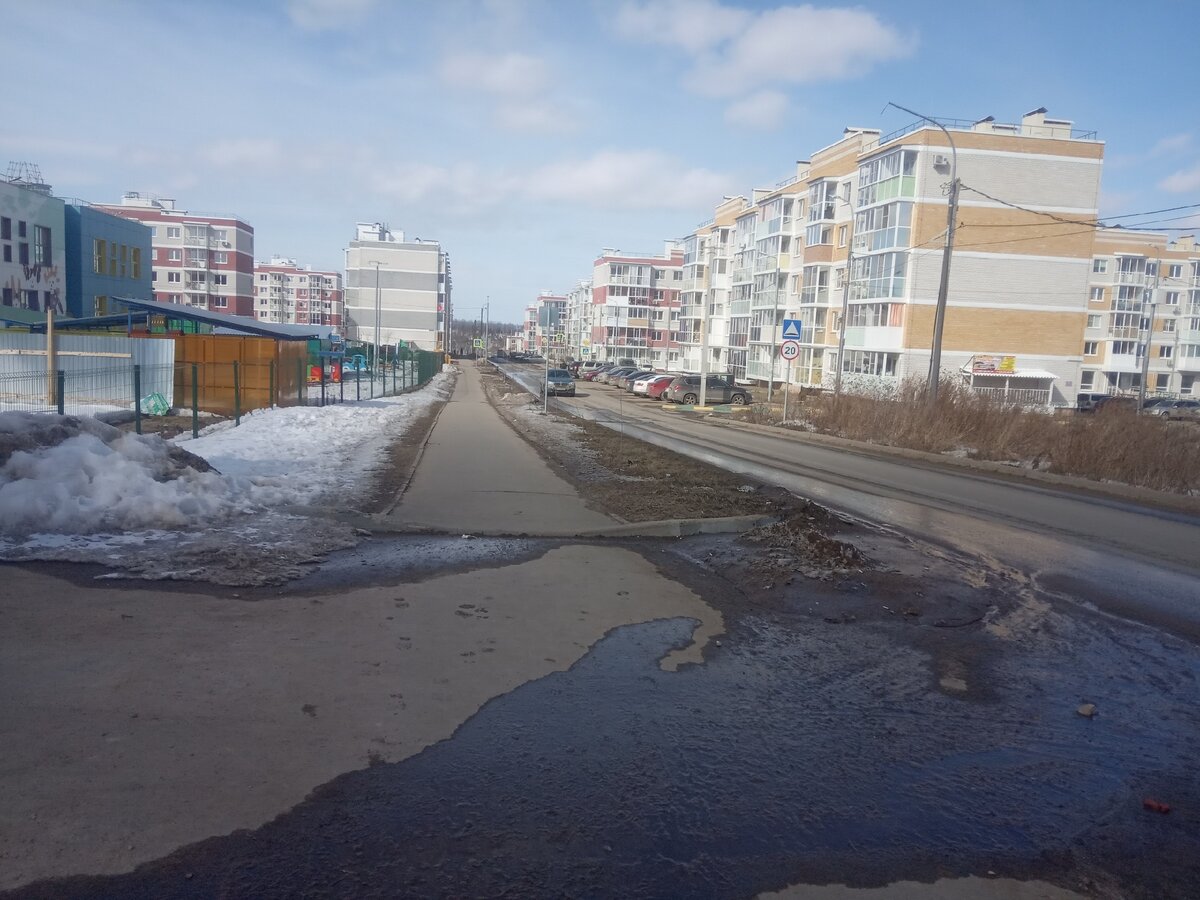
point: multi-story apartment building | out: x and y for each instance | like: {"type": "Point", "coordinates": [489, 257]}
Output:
{"type": "Point", "coordinates": [32, 247]}
{"type": "Point", "coordinates": [292, 294]}
{"type": "Point", "coordinates": [197, 259]}
{"type": "Point", "coordinates": [409, 280]}
{"type": "Point", "coordinates": [578, 339]}
{"type": "Point", "coordinates": [873, 209]}
{"type": "Point", "coordinates": [635, 306]}
{"type": "Point", "coordinates": [1144, 293]}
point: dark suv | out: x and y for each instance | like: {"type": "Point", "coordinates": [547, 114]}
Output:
{"type": "Point", "coordinates": [686, 389]}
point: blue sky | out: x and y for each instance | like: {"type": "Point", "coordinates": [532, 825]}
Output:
{"type": "Point", "coordinates": [528, 135]}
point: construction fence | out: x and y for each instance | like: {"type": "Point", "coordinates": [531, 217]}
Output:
{"type": "Point", "coordinates": [223, 379]}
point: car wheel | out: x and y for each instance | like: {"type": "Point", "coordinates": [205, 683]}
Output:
{"type": "Point", "coordinates": [690, 398]}
{"type": "Point", "coordinates": [738, 399]}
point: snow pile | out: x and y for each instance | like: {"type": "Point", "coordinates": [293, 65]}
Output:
{"type": "Point", "coordinates": [77, 489]}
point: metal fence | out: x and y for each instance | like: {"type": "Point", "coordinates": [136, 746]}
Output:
{"type": "Point", "coordinates": [204, 390]}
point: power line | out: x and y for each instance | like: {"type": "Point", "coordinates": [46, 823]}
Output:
{"type": "Point", "coordinates": [1099, 223]}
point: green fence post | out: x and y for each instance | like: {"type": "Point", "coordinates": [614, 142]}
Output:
{"type": "Point", "coordinates": [322, 384]}
{"type": "Point", "coordinates": [299, 382]}
{"type": "Point", "coordinates": [357, 383]}
{"type": "Point", "coordinates": [195, 400]}
{"type": "Point", "coordinates": [271, 381]}
{"type": "Point", "coordinates": [60, 380]}
{"type": "Point", "coordinates": [341, 370]}
{"type": "Point", "coordinates": [237, 396]}
{"type": "Point", "coordinates": [137, 398]}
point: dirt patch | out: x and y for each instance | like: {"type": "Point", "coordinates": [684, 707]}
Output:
{"type": "Point", "coordinates": [626, 477]}
{"type": "Point", "coordinates": [402, 457]}
{"type": "Point", "coordinates": [168, 427]}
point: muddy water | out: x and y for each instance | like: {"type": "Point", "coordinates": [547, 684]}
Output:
{"type": "Point", "coordinates": [798, 752]}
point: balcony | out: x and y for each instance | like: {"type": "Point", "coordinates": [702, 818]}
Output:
{"type": "Point", "coordinates": [1126, 332]}
{"type": "Point", "coordinates": [743, 275]}
{"type": "Point", "coordinates": [739, 308]}
{"type": "Point", "coordinates": [1134, 278]}
{"type": "Point", "coordinates": [1127, 305]}
{"type": "Point", "coordinates": [766, 263]}
{"type": "Point", "coordinates": [1124, 362]}
{"type": "Point", "coordinates": [772, 299]}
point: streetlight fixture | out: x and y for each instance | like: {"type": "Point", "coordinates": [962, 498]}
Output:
{"type": "Point", "coordinates": [939, 316]}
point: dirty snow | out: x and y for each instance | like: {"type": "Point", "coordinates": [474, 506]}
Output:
{"type": "Point", "coordinates": [76, 489]}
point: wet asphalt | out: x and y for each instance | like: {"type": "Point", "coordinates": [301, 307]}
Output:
{"type": "Point", "coordinates": [799, 751]}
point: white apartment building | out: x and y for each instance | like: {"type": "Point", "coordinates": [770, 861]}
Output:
{"type": "Point", "coordinates": [289, 293]}
{"type": "Point", "coordinates": [198, 259]}
{"type": "Point", "coordinates": [405, 285]}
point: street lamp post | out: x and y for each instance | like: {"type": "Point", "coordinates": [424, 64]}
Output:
{"type": "Point", "coordinates": [375, 367]}
{"type": "Point", "coordinates": [939, 317]}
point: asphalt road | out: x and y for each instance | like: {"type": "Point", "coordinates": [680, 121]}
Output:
{"type": "Point", "coordinates": [1131, 559]}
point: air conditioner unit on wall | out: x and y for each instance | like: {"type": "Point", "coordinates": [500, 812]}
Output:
{"type": "Point", "coordinates": [941, 160]}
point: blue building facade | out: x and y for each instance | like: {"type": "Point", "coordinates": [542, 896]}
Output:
{"type": "Point", "coordinates": [107, 256]}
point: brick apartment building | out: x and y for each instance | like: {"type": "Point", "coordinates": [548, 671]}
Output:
{"type": "Point", "coordinates": [289, 293]}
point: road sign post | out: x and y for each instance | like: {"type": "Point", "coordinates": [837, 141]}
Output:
{"type": "Point", "coordinates": [790, 350]}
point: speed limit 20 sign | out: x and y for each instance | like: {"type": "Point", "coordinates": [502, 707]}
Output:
{"type": "Point", "coordinates": [789, 350]}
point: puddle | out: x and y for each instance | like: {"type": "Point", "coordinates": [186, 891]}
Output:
{"type": "Point", "coordinates": [792, 755]}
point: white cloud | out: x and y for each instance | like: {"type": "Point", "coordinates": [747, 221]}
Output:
{"type": "Point", "coordinates": [609, 179]}
{"type": "Point", "coordinates": [764, 110]}
{"type": "Point", "coordinates": [1183, 181]}
{"type": "Point", "coordinates": [694, 25]}
{"type": "Point", "coordinates": [540, 118]}
{"type": "Point", "coordinates": [243, 152]}
{"type": "Point", "coordinates": [639, 179]}
{"type": "Point", "coordinates": [798, 44]}
{"type": "Point", "coordinates": [1172, 144]}
{"type": "Point", "coordinates": [506, 75]}
{"type": "Point", "coordinates": [322, 15]}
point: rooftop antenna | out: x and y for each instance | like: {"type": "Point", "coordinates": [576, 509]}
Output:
{"type": "Point", "coordinates": [23, 173]}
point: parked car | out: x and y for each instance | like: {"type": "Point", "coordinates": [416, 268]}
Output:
{"type": "Point", "coordinates": [560, 383]}
{"type": "Point", "coordinates": [593, 374]}
{"type": "Point", "coordinates": [657, 389]}
{"type": "Point", "coordinates": [1152, 402]}
{"type": "Point", "coordinates": [627, 362]}
{"type": "Point", "coordinates": [686, 389]}
{"type": "Point", "coordinates": [1177, 410]}
{"type": "Point", "coordinates": [626, 380]}
{"type": "Point", "coordinates": [607, 377]}
{"type": "Point", "coordinates": [590, 366]}
{"type": "Point", "coordinates": [642, 385]}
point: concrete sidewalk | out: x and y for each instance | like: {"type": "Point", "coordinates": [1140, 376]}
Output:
{"type": "Point", "coordinates": [478, 477]}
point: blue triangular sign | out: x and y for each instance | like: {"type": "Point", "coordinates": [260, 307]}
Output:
{"type": "Point", "coordinates": [791, 328]}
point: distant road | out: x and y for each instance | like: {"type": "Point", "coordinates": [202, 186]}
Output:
{"type": "Point", "coordinates": [1116, 552]}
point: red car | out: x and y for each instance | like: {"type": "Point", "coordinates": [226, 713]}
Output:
{"type": "Point", "coordinates": [658, 387]}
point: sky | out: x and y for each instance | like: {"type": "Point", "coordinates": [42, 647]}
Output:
{"type": "Point", "coordinates": [527, 135]}
{"type": "Point", "coordinates": [84, 491]}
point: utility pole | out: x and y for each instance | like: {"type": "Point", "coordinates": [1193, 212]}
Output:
{"type": "Point", "coordinates": [837, 381]}
{"type": "Point", "coordinates": [487, 321]}
{"type": "Point", "coordinates": [1149, 338]}
{"type": "Point", "coordinates": [939, 316]}
{"type": "Point", "coordinates": [378, 315]}
{"type": "Point", "coordinates": [704, 306]}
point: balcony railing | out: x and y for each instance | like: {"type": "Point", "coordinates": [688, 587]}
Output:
{"type": "Point", "coordinates": [1126, 332]}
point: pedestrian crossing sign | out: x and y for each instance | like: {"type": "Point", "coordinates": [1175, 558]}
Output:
{"type": "Point", "coordinates": [791, 328]}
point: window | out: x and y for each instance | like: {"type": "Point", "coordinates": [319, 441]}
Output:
{"type": "Point", "coordinates": [1097, 294]}
{"type": "Point", "coordinates": [1151, 268]}
{"type": "Point", "coordinates": [21, 229]}
{"type": "Point", "coordinates": [174, 277]}
{"type": "Point", "coordinates": [677, 275]}
{"type": "Point", "coordinates": [1100, 266]}
{"type": "Point", "coordinates": [175, 255]}
{"type": "Point", "coordinates": [1093, 321]}
{"type": "Point", "coordinates": [1165, 351]}
{"type": "Point", "coordinates": [1168, 326]}
{"type": "Point", "coordinates": [1187, 384]}
{"type": "Point", "coordinates": [112, 259]}
{"type": "Point", "coordinates": [31, 300]}
{"type": "Point", "coordinates": [220, 279]}
{"type": "Point", "coordinates": [1090, 348]}
{"type": "Point", "coordinates": [1087, 380]}
{"type": "Point", "coordinates": [262, 276]}
{"type": "Point", "coordinates": [99, 255]}
{"type": "Point", "coordinates": [869, 362]}
{"type": "Point", "coordinates": [153, 232]}
{"type": "Point", "coordinates": [1127, 348]}
{"type": "Point", "coordinates": [842, 232]}
{"type": "Point", "coordinates": [220, 234]}
{"type": "Point", "coordinates": [100, 306]}
{"type": "Point", "coordinates": [1162, 383]}
{"type": "Point", "coordinates": [23, 254]}
{"type": "Point", "coordinates": [173, 231]}
{"type": "Point", "coordinates": [1175, 271]}
{"type": "Point", "coordinates": [8, 252]}
{"type": "Point", "coordinates": [5, 228]}
{"type": "Point", "coordinates": [7, 297]}
{"type": "Point", "coordinates": [124, 260]}
{"type": "Point", "coordinates": [153, 275]}
{"type": "Point", "coordinates": [220, 256]}
{"type": "Point", "coordinates": [1172, 298]}
{"type": "Point", "coordinates": [220, 301]}
{"type": "Point", "coordinates": [136, 262]}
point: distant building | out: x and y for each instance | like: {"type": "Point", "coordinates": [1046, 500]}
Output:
{"type": "Point", "coordinates": [634, 311]}
{"type": "Point", "coordinates": [1144, 294]}
{"type": "Point", "coordinates": [200, 260]}
{"type": "Point", "coordinates": [107, 256]}
{"type": "Point", "coordinates": [32, 247]}
{"type": "Point", "coordinates": [298, 295]}
{"type": "Point", "coordinates": [411, 282]}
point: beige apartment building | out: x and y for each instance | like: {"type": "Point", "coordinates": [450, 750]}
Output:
{"type": "Point", "coordinates": [1144, 292]}
{"type": "Point", "coordinates": [876, 206]}
{"type": "Point", "coordinates": [634, 310]}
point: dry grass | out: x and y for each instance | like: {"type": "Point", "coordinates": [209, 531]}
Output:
{"type": "Point", "coordinates": [1114, 445]}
